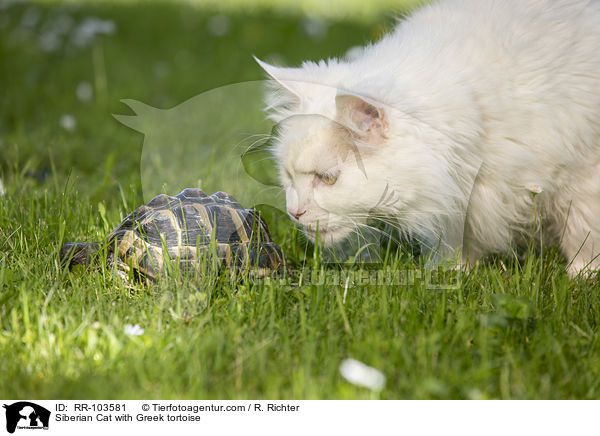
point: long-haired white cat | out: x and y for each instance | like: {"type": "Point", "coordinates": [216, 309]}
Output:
{"type": "Point", "coordinates": [452, 127]}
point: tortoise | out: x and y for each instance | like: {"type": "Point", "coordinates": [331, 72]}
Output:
{"type": "Point", "coordinates": [185, 232]}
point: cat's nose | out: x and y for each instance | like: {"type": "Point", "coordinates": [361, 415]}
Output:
{"type": "Point", "coordinates": [296, 213]}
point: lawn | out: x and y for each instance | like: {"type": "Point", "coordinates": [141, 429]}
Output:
{"type": "Point", "coordinates": [512, 328]}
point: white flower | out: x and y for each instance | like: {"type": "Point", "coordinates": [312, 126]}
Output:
{"type": "Point", "coordinates": [133, 330]}
{"type": "Point", "coordinates": [50, 41]}
{"type": "Point", "coordinates": [219, 25]}
{"type": "Point", "coordinates": [362, 375]}
{"type": "Point", "coordinates": [68, 122]}
{"type": "Point", "coordinates": [31, 17]}
{"type": "Point", "coordinates": [2, 190]}
{"type": "Point", "coordinates": [314, 26]}
{"type": "Point", "coordinates": [84, 91]}
{"type": "Point", "coordinates": [51, 37]}
{"type": "Point", "coordinates": [536, 189]}
{"type": "Point", "coordinates": [85, 33]}
{"type": "Point", "coordinates": [8, 3]}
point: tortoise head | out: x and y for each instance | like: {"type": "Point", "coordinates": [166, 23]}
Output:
{"type": "Point", "coordinates": [77, 253]}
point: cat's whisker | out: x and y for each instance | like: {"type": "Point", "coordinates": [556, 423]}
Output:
{"type": "Point", "coordinates": [406, 232]}
{"type": "Point", "coordinates": [360, 225]}
{"type": "Point", "coordinates": [256, 139]}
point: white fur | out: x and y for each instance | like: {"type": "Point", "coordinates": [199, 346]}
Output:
{"type": "Point", "coordinates": [479, 105]}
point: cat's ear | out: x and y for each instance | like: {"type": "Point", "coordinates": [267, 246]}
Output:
{"type": "Point", "coordinates": [289, 78]}
{"type": "Point", "coordinates": [365, 118]}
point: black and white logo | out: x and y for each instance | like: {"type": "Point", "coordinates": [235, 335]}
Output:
{"type": "Point", "coordinates": [26, 415]}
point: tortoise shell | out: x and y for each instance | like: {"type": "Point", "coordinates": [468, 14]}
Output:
{"type": "Point", "coordinates": [186, 233]}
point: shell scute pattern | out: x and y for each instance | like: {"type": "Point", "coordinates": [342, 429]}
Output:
{"type": "Point", "coordinates": [187, 230]}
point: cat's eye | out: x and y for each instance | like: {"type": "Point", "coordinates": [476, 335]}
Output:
{"type": "Point", "coordinates": [329, 178]}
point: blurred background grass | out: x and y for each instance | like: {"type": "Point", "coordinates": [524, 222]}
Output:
{"type": "Point", "coordinates": [64, 67]}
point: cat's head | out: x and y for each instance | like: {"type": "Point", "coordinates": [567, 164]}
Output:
{"type": "Point", "coordinates": [337, 160]}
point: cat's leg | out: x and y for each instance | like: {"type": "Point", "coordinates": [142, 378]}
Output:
{"type": "Point", "coordinates": [443, 247]}
{"type": "Point", "coordinates": [485, 228]}
{"type": "Point", "coordinates": [470, 254]}
{"type": "Point", "coordinates": [580, 222]}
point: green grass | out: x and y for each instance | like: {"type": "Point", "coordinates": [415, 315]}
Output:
{"type": "Point", "coordinates": [513, 329]}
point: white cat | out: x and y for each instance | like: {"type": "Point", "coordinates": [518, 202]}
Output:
{"type": "Point", "coordinates": [452, 127]}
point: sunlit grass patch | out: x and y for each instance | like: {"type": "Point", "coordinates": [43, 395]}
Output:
{"type": "Point", "coordinates": [512, 327]}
